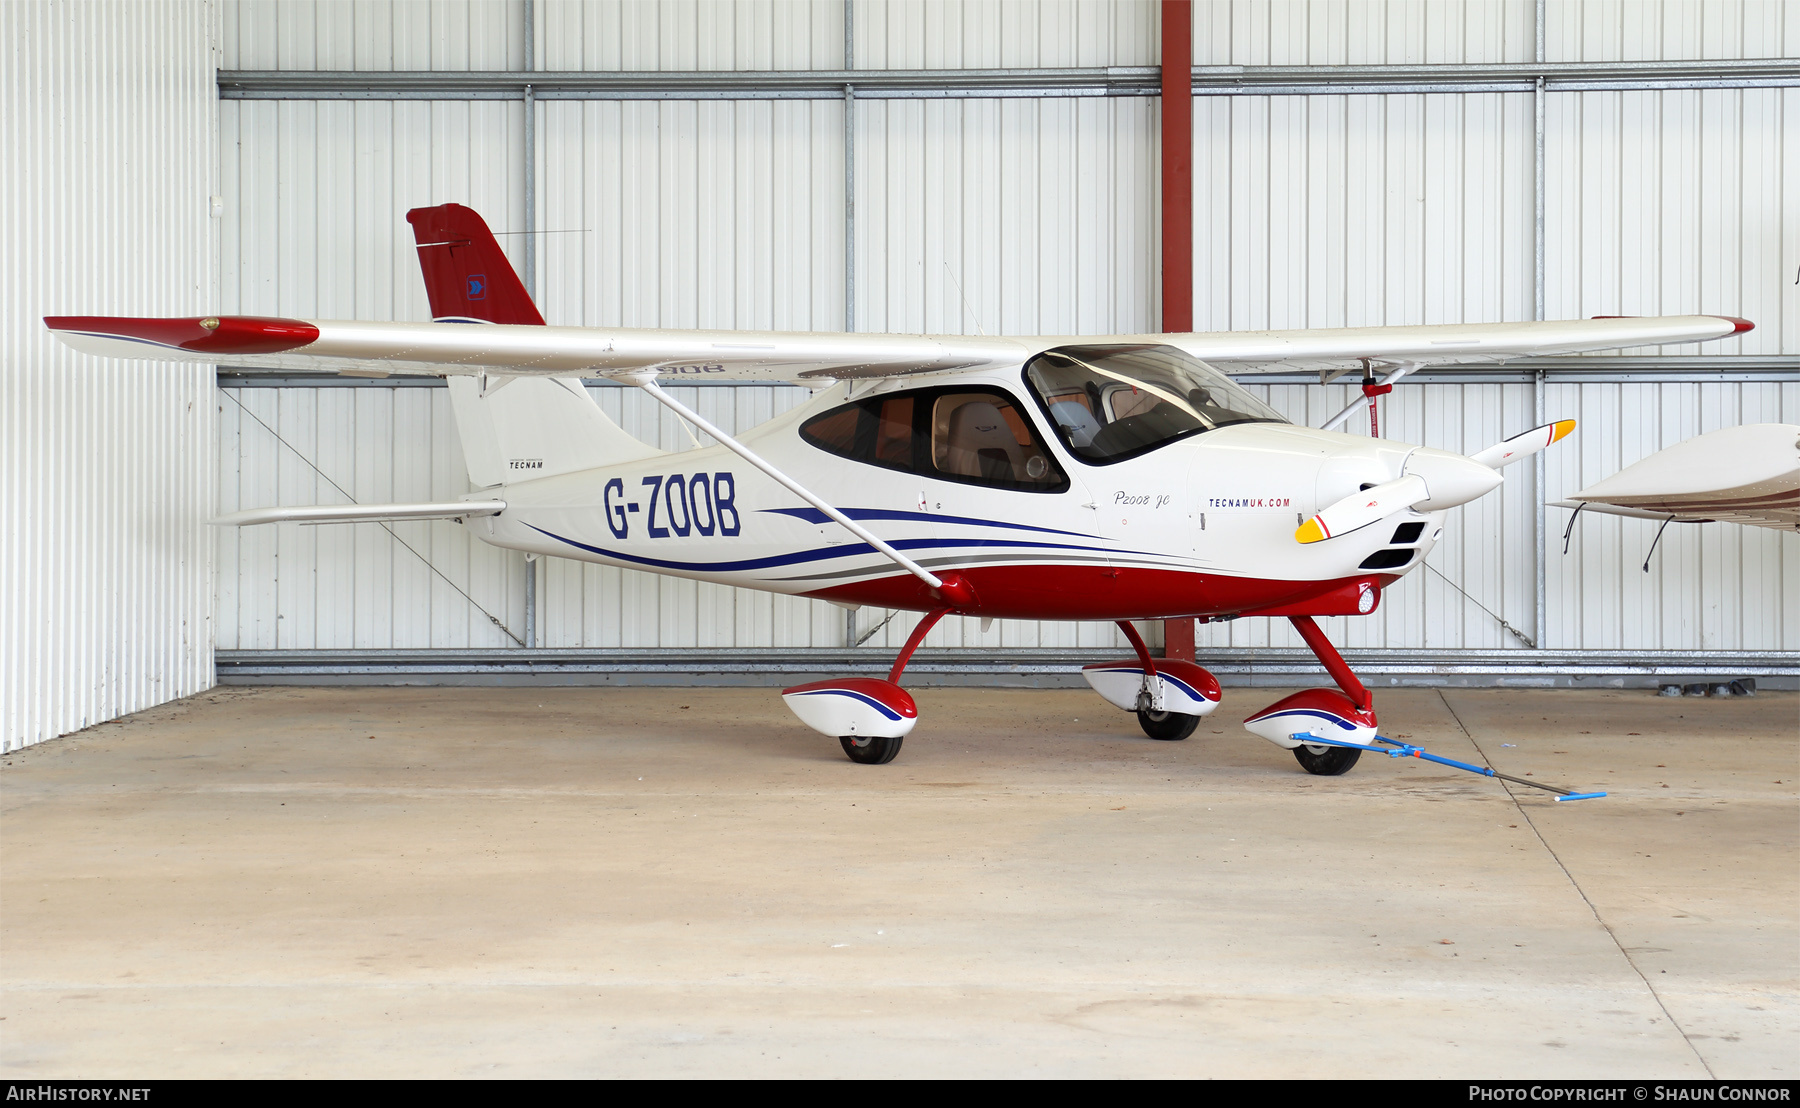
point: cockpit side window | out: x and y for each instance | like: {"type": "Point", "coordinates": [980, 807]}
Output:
{"type": "Point", "coordinates": [1109, 403]}
{"type": "Point", "coordinates": [971, 435]}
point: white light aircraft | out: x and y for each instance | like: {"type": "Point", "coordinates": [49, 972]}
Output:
{"type": "Point", "coordinates": [1748, 474]}
{"type": "Point", "coordinates": [1116, 477]}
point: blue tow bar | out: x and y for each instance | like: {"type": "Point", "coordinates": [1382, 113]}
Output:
{"type": "Point", "coordinates": [1407, 750]}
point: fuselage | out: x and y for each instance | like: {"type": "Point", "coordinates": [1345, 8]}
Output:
{"type": "Point", "coordinates": [1200, 526]}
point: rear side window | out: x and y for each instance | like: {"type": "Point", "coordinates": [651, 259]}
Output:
{"type": "Point", "coordinates": [975, 436]}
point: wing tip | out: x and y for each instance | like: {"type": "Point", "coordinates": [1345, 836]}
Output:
{"type": "Point", "coordinates": [242, 334]}
{"type": "Point", "coordinates": [1738, 324]}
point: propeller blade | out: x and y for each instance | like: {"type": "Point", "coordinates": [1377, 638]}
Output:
{"type": "Point", "coordinates": [1523, 446]}
{"type": "Point", "coordinates": [1360, 509]}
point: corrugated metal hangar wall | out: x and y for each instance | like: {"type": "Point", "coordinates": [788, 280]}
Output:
{"type": "Point", "coordinates": [1029, 210]}
{"type": "Point", "coordinates": [107, 163]}
{"type": "Point", "coordinates": [961, 166]}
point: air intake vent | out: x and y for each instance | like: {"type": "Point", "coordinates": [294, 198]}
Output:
{"type": "Point", "coordinates": [1388, 559]}
{"type": "Point", "coordinates": [1408, 532]}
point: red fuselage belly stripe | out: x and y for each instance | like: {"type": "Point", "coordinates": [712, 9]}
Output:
{"type": "Point", "coordinates": [1087, 592]}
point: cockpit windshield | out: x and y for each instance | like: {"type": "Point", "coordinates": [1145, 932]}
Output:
{"type": "Point", "coordinates": [1109, 403]}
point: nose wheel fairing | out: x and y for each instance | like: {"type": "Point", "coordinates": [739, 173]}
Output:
{"type": "Point", "coordinates": [1318, 713]}
{"type": "Point", "coordinates": [1343, 721]}
{"type": "Point", "coordinates": [1172, 686]}
{"type": "Point", "coordinates": [1169, 696]}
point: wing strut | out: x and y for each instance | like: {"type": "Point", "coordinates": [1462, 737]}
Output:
{"type": "Point", "coordinates": [1387, 383]}
{"type": "Point", "coordinates": [646, 379]}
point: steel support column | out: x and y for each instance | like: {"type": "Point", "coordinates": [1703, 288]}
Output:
{"type": "Point", "coordinates": [1178, 215]}
{"type": "Point", "coordinates": [530, 267]}
{"type": "Point", "coordinates": [1539, 609]}
{"type": "Point", "coordinates": [849, 220]}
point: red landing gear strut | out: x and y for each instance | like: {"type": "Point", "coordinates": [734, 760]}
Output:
{"type": "Point", "coordinates": [1333, 662]}
{"type": "Point", "coordinates": [926, 623]}
{"type": "Point", "coordinates": [1338, 718]}
{"type": "Point", "coordinates": [867, 715]}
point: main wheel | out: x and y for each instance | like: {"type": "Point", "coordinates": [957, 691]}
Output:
{"type": "Point", "coordinates": [1326, 761]}
{"type": "Point", "coordinates": [1167, 726]}
{"type": "Point", "coordinates": [870, 751]}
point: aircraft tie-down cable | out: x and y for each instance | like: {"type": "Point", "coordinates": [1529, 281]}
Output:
{"type": "Point", "coordinates": [384, 526]}
{"type": "Point", "coordinates": [1516, 633]}
{"type": "Point", "coordinates": [871, 632]}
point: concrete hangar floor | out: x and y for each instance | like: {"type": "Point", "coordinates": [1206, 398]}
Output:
{"type": "Point", "coordinates": [597, 882]}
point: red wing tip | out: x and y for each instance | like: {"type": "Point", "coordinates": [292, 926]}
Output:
{"type": "Point", "coordinates": [1738, 324]}
{"type": "Point", "coordinates": [230, 334]}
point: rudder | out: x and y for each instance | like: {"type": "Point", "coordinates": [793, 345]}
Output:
{"type": "Point", "coordinates": [467, 276]}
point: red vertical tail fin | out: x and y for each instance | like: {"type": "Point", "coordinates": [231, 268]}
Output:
{"type": "Point", "coordinates": [467, 277]}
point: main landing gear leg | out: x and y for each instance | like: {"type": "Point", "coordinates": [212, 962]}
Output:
{"type": "Point", "coordinates": [1341, 718]}
{"type": "Point", "coordinates": [876, 750]}
{"type": "Point", "coordinates": [869, 717]}
{"type": "Point", "coordinates": [912, 642]}
{"type": "Point", "coordinates": [1156, 721]}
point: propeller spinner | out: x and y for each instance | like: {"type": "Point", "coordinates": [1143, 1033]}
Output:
{"type": "Point", "coordinates": [1432, 479]}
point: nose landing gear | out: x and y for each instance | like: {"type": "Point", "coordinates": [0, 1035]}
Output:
{"type": "Point", "coordinates": [1326, 761]}
{"type": "Point", "coordinates": [1169, 696]}
{"type": "Point", "coordinates": [1345, 720]}
{"type": "Point", "coordinates": [1167, 726]}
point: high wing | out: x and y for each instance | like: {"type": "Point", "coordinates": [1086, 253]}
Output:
{"type": "Point", "coordinates": [1747, 474]}
{"type": "Point", "coordinates": [380, 349]}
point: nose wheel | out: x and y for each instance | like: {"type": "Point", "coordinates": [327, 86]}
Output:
{"type": "Point", "coordinates": [1326, 761]}
{"type": "Point", "coordinates": [870, 750]}
{"type": "Point", "coordinates": [1167, 726]}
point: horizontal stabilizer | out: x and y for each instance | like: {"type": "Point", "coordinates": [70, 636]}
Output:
{"type": "Point", "coordinates": [361, 513]}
